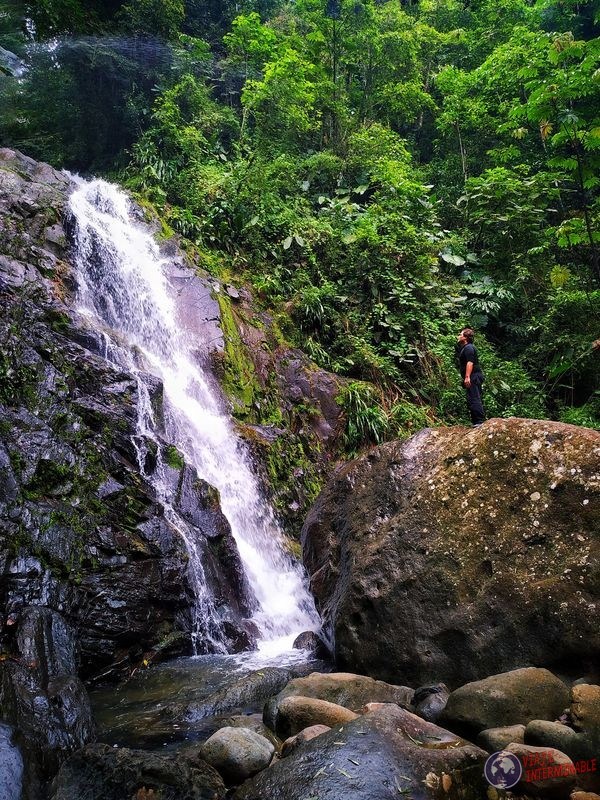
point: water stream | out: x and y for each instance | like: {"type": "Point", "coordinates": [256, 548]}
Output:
{"type": "Point", "coordinates": [125, 292]}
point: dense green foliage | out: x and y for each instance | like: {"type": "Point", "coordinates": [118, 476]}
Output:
{"type": "Point", "coordinates": [381, 173]}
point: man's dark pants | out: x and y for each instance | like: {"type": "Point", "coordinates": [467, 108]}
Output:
{"type": "Point", "coordinates": [474, 401]}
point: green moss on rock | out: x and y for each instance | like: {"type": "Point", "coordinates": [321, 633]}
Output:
{"type": "Point", "coordinates": [173, 457]}
{"type": "Point", "coordinates": [239, 377]}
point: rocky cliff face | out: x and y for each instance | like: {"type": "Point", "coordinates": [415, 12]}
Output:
{"type": "Point", "coordinates": [93, 577]}
{"type": "Point", "coordinates": [461, 553]}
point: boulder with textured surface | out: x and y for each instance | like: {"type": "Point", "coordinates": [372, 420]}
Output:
{"type": "Point", "coordinates": [246, 693]}
{"type": "Point", "coordinates": [511, 698]}
{"type": "Point", "coordinates": [384, 755]}
{"type": "Point", "coordinates": [311, 641]}
{"type": "Point", "coordinates": [461, 553]}
{"type": "Point", "coordinates": [341, 688]}
{"type": "Point", "coordinates": [100, 772]}
{"type": "Point", "coordinates": [237, 753]}
{"type": "Point", "coordinates": [585, 709]}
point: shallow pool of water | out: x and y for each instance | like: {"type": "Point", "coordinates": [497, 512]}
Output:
{"type": "Point", "coordinates": [152, 709]}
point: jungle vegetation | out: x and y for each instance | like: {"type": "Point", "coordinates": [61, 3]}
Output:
{"type": "Point", "coordinates": [381, 173]}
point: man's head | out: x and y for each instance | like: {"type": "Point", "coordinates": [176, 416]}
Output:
{"type": "Point", "coordinates": [466, 336]}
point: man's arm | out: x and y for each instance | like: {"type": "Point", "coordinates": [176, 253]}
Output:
{"type": "Point", "coordinates": [468, 371]}
{"type": "Point", "coordinates": [469, 353]}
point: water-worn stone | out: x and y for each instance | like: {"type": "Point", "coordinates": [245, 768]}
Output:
{"type": "Point", "coordinates": [295, 713]}
{"type": "Point", "coordinates": [244, 694]}
{"type": "Point", "coordinates": [237, 753]}
{"type": "Point", "coordinates": [383, 755]}
{"type": "Point", "coordinates": [511, 698]}
{"type": "Point", "coordinates": [293, 742]}
{"type": "Point", "coordinates": [100, 772]}
{"type": "Point", "coordinates": [461, 553]}
{"type": "Point", "coordinates": [253, 722]}
{"type": "Point", "coordinates": [430, 701]}
{"type": "Point", "coordinates": [543, 733]}
{"type": "Point", "coordinates": [495, 739]}
{"type": "Point", "coordinates": [341, 688]}
{"type": "Point", "coordinates": [547, 773]}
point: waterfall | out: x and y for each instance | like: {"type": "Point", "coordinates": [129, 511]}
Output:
{"type": "Point", "coordinates": [125, 292]}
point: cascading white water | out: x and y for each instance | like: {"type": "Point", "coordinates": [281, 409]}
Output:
{"type": "Point", "coordinates": [124, 290]}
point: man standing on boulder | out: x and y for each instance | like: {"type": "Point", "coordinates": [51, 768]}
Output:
{"type": "Point", "coordinates": [471, 374]}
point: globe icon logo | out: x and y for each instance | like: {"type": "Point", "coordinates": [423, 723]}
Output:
{"type": "Point", "coordinates": [503, 770]}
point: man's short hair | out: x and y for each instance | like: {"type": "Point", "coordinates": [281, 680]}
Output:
{"type": "Point", "coordinates": [469, 334]}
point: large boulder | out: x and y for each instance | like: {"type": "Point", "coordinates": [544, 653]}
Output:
{"type": "Point", "coordinates": [341, 688]}
{"type": "Point", "coordinates": [460, 553]}
{"type": "Point", "coordinates": [387, 753]}
{"type": "Point", "coordinates": [511, 698]}
{"type": "Point", "coordinates": [100, 772]}
{"type": "Point", "coordinates": [245, 694]}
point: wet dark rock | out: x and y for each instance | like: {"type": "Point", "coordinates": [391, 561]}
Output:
{"type": "Point", "coordinates": [430, 701]}
{"type": "Point", "coordinates": [511, 698]}
{"type": "Point", "coordinates": [83, 536]}
{"type": "Point", "coordinates": [247, 693]}
{"type": "Point", "coordinates": [100, 772]}
{"type": "Point", "coordinates": [341, 688]}
{"type": "Point", "coordinates": [461, 553]}
{"type": "Point", "coordinates": [85, 533]}
{"type": "Point", "coordinates": [311, 641]}
{"type": "Point", "coordinates": [41, 695]}
{"type": "Point", "coordinates": [385, 754]}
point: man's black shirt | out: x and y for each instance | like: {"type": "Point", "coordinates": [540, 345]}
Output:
{"type": "Point", "coordinates": [468, 353]}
